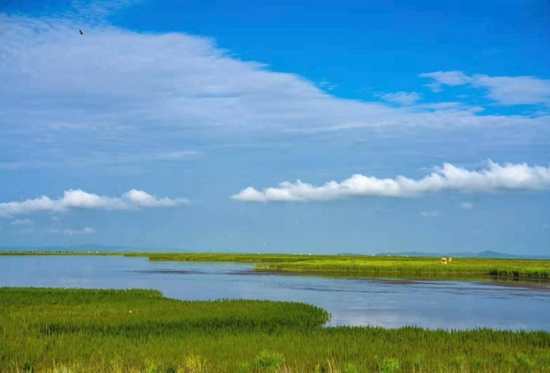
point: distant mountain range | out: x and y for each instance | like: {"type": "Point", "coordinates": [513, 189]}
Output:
{"type": "Point", "coordinates": [100, 248]}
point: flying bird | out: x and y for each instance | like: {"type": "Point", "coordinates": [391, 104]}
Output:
{"type": "Point", "coordinates": [81, 33]}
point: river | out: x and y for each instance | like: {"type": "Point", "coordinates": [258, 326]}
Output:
{"type": "Point", "coordinates": [379, 302]}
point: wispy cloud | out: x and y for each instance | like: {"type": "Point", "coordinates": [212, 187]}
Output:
{"type": "Point", "coordinates": [402, 98]}
{"type": "Point", "coordinates": [515, 90]}
{"type": "Point", "coordinates": [126, 158]}
{"type": "Point", "coordinates": [448, 177]}
{"type": "Point", "coordinates": [79, 199]}
{"type": "Point", "coordinates": [105, 158]}
{"type": "Point", "coordinates": [506, 90]}
{"type": "Point", "coordinates": [429, 214]}
{"type": "Point", "coordinates": [450, 78]}
{"type": "Point", "coordinates": [98, 9]}
{"type": "Point", "coordinates": [466, 205]}
{"type": "Point", "coordinates": [327, 85]}
{"type": "Point", "coordinates": [60, 87]}
{"type": "Point", "coordinates": [22, 222]}
{"type": "Point", "coordinates": [546, 226]}
{"type": "Point", "coordinates": [70, 232]}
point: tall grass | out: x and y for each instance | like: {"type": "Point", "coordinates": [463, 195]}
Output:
{"type": "Point", "coordinates": [419, 267]}
{"type": "Point", "coordinates": [77, 330]}
{"type": "Point", "coordinates": [375, 266]}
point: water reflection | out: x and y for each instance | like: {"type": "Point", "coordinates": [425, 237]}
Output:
{"type": "Point", "coordinates": [381, 302]}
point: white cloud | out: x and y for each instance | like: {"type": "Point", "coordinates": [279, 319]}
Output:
{"type": "Point", "coordinates": [466, 205]}
{"type": "Point", "coordinates": [171, 156]}
{"type": "Point", "coordinates": [79, 199]}
{"type": "Point", "coordinates": [59, 86]}
{"type": "Point", "coordinates": [21, 222]}
{"type": "Point", "coordinates": [70, 232]}
{"type": "Point", "coordinates": [451, 78]}
{"type": "Point", "coordinates": [327, 85]}
{"type": "Point", "coordinates": [106, 158]}
{"type": "Point", "coordinates": [506, 90]}
{"type": "Point", "coordinates": [98, 9]}
{"type": "Point", "coordinates": [515, 90]}
{"type": "Point", "coordinates": [403, 98]}
{"type": "Point", "coordinates": [429, 214]}
{"type": "Point", "coordinates": [449, 177]}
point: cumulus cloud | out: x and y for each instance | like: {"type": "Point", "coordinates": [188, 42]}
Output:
{"type": "Point", "coordinates": [429, 214]}
{"type": "Point", "coordinates": [79, 199]}
{"type": "Point", "coordinates": [402, 98]}
{"type": "Point", "coordinates": [506, 90]}
{"type": "Point", "coordinates": [466, 205]}
{"type": "Point", "coordinates": [494, 177]}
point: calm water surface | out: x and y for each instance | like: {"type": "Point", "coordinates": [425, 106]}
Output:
{"type": "Point", "coordinates": [387, 303]}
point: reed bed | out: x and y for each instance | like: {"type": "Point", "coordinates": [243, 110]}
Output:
{"type": "Point", "coordinates": [419, 267]}
{"type": "Point", "coordinates": [77, 330]}
{"type": "Point", "coordinates": [375, 266]}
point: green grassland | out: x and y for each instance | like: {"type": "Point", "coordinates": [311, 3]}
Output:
{"type": "Point", "coordinates": [376, 266]}
{"type": "Point", "coordinates": [419, 267]}
{"type": "Point", "coordinates": [65, 330]}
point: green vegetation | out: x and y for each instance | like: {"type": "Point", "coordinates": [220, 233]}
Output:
{"type": "Point", "coordinates": [376, 266]}
{"type": "Point", "coordinates": [413, 267]}
{"type": "Point", "coordinates": [62, 330]}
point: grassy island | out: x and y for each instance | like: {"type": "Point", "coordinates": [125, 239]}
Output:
{"type": "Point", "coordinates": [378, 266]}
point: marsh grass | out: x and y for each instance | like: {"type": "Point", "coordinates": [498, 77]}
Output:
{"type": "Point", "coordinates": [375, 266]}
{"type": "Point", "coordinates": [406, 267]}
{"type": "Point", "coordinates": [77, 330]}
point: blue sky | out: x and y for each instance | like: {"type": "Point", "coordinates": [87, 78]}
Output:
{"type": "Point", "coordinates": [282, 127]}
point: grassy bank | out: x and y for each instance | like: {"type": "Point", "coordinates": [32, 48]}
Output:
{"type": "Point", "coordinates": [139, 330]}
